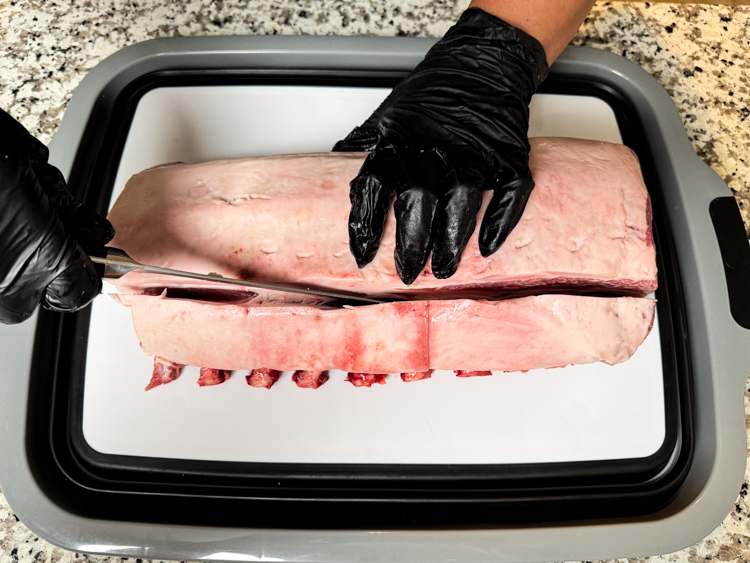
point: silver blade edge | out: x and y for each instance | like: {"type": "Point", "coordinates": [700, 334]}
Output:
{"type": "Point", "coordinates": [231, 281]}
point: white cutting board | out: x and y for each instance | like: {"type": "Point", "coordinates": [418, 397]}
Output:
{"type": "Point", "coordinates": [576, 413]}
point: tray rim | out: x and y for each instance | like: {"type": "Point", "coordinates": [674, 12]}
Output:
{"type": "Point", "coordinates": [721, 348]}
{"type": "Point", "coordinates": [648, 467]}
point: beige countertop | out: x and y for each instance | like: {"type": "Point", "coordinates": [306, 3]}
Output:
{"type": "Point", "coordinates": [698, 53]}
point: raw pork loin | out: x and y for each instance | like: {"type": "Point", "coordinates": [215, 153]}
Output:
{"type": "Point", "coordinates": [586, 228]}
{"type": "Point", "coordinates": [469, 336]}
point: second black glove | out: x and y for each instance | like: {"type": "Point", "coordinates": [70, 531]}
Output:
{"type": "Point", "coordinates": [457, 125]}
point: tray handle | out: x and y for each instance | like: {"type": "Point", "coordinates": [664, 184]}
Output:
{"type": "Point", "coordinates": [735, 255]}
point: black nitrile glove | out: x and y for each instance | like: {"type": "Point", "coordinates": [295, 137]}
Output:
{"type": "Point", "coordinates": [457, 125]}
{"type": "Point", "coordinates": [41, 227]}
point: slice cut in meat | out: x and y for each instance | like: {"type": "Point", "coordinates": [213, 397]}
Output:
{"type": "Point", "coordinates": [263, 377]}
{"type": "Point", "coordinates": [210, 376]}
{"type": "Point", "coordinates": [164, 372]}
{"type": "Point", "coordinates": [511, 335]}
{"type": "Point", "coordinates": [416, 375]}
{"type": "Point", "coordinates": [309, 379]}
{"type": "Point", "coordinates": [366, 379]}
{"type": "Point", "coordinates": [586, 228]}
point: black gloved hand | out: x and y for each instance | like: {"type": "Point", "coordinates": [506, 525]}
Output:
{"type": "Point", "coordinates": [41, 227]}
{"type": "Point", "coordinates": [455, 126]}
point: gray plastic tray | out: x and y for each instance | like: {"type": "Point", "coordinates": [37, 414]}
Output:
{"type": "Point", "coordinates": [720, 348]}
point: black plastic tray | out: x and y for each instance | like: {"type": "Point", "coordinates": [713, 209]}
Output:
{"type": "Point", "coordinates": [96, 485]}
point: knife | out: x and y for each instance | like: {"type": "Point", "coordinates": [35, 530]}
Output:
{"type": "Point", "coordinates": [117, 263]}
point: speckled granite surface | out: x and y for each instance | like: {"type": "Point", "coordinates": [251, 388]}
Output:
{"type": "Point", "coordinates": [698, 53]}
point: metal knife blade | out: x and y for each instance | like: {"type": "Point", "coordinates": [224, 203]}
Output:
{"type": "Point", "coordinates": [117, 263]}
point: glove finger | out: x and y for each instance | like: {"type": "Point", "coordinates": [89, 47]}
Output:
{"type": "Point", "coordinates": [17, 144]}
{"type": "Point", "coordinates": [503, 214]}
{"type": "Point", "coordinates": [17, 306]}
{"type": "Point", "coordinates": [415, 209]}
{"type": "Point", "coordinates": [455, 220]}
{"type": "Point", "coordinates": [76, 286]}
{"type": "Point", "coordinates": [365, 137]}
{"type": "Point", "coordinates": [370, 195]}
{"type": "Point", "coordinates": [361, 139]}
{"type": "Point", "coordinates": [91, 230]}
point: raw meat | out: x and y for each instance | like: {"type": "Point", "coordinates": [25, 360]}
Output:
{"type": "Point", "coordinates": [536, 332]}
{"type": "Point", "coordinates": [309, 379]}
{"type": "Point", "coordinates": [210, 376]}
{"type": "Point", "coordinates": [232, 336]}
{"type": "Point", "coordinates": [464, 373]}
{"type": "Point", "coordinates": [263, 377]}
{"type": "Point", "coordinates": [366, 379]}
{"type": "Point", "coordinates": [416, 375]}
{"type": "Point", "coordinates": [514, 334]}
{"type": "Point", "coordinates": [164, 372]}
{"type": "Point", "coordinates": [586, 228]}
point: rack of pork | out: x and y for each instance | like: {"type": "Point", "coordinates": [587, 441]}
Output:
{"type": "Point", "coordinates": [568, 286]}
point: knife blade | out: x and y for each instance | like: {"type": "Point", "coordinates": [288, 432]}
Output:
{"type": "Point", "coordinates": [117, 263]}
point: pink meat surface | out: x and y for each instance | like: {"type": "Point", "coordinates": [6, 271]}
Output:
{"type": "Point", "coordinates": [536, 332]}
{"type": "Point", "coordinates": [263, 377]}
{"type": "Point", "coordinates": [514, 334]}
{"type": "Point", "coordinates": [232, 336]}
{"type": "Point", "coordinates": [587, 226]}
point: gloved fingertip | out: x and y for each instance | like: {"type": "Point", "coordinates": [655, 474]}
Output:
{"type": "Point", "coordinates": [445, 257]}
{"type": "Point", "coordinates": [444, 266]}
{"type": "Point", "coordinates": [408, 270]}
{"type": "Point", "coordinates": [503, 214]}
{"type": "Point", "coordinates": [363, 252]}
{"type": "Point", "coordinates": [88, 227]}
{"type": "Point", "coordinates": [370, 197]}
{"type": "Point", "coordinates": [487, 251]}
{"type": "Point", "coordinates": [414, 210]}
{"type": "Point", "coordinates": [19, 309]}
{"type": "Point", "coordinates": [361, 139]}
{"type": "Point", "coordinates": [74, 288]}
{"type": "Point", "coordinates": [490, 239]}
{"type": "Point", "coordinates": [455, 223]}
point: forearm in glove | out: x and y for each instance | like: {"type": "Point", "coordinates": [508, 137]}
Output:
{"type": "Point", "coordinates": [457, 125]}
{"type": "Point", "coordinates": [43, 232]}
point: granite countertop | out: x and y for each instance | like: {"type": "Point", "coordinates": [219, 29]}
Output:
{"type": "Point", "coordinates": [698, 53]}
